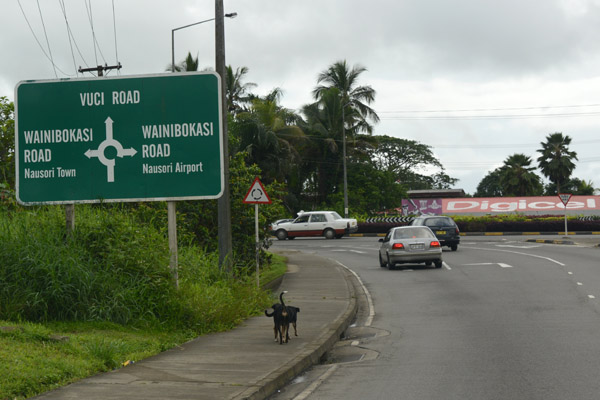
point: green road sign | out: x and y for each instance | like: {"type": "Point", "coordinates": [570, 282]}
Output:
{"type": "Point", "coordinates": [136, 138]}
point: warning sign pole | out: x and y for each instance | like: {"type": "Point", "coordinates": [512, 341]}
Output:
{"type": "Point", "coordinates": [257, 195]}
{"type": "Point", "coordinates": [257, 246]}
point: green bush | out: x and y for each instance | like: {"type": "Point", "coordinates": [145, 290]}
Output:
{"type": "Point", "coordinates": [113, 268]}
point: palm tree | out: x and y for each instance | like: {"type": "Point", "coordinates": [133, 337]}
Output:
{"type": "Point", "coordinates": [189, 64]}
{"type": "Point", "coordinates": [237, 92]}
{"type": "Point", "coordinates": [556, 161]}
{"type": "Point", "coordinates": [323, 170]}
{"type": "Point", "coordinates": [355, 99]}
{"type": "Point", "coordinates": [517, 177]}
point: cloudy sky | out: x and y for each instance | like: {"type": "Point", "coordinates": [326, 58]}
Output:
{"type": "Point", "coordinates": [477, 80]}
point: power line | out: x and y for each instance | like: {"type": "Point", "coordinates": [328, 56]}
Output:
{"type": "Point", "coordinates": [64, 10]}
{"type": "Point", "coordinates": [489, 109]}
{"type": "Point", "coordinates": [88, 8]}
{"type": "Point", "coordinates": [482, 117]}
{"type": "Point", "coordinates": [505, 146]}
{"type": "Point", "coordinates": [38, 41]}
{"type": "Point", "coordinates": [62, 5]}
{"type": "Point", "coordinates": [115, 33]}
{"type": "Point", "coordinates": [47, 41]}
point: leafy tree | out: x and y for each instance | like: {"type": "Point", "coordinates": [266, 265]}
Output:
{"type": "Point", "coordinates": [199, 218]}
{"type": "Point", "coordinates": [7, 143]}
{"type": "Point", "coordinates": [370, 190]}
{"type": "Point", "coordinates": [268, 135]}
{"type": "Point", "coordinates": [556, 160]}
{"type": "Point", "coordinates": [238, 93]}
{"type": "Point", "coordinates": [490, 185]}
{"type": "Point", "coordinates": [574, 186]}
{"type": "Point", "coordinates": [406, 159]}
{"type": "Point", "coordinates": [517, 177]}
{"type": "Point", "coordinates": [355, 99]}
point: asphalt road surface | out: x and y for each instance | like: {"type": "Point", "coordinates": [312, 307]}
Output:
{"type": "Point", "coordinates": [502, 319]}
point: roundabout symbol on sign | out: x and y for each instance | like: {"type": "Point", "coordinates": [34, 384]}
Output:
{"type": "Point", "coordinates": [109, 142]}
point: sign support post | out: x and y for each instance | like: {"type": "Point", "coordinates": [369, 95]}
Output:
{"type": "Point", "coordinates": [257, 195]}
{"type": "Point", "coordinates": [257, 246]}
{"type": "Point", "coordinates": [565, 197]}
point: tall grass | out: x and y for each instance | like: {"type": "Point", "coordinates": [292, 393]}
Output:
{"type": "Point", "coordinates": [113, 268]}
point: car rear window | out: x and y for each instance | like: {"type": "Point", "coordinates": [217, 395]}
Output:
{"type": "Point", "coordinates": [413, 232]}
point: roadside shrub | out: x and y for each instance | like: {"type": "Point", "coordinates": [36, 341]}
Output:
{"type": "Point", "coordinates": [113, 269]}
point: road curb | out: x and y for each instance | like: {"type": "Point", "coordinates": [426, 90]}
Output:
{"type": "Point", "coordinates": [568, 242]}
{"type": "Point", "coordinates": [309, 357]}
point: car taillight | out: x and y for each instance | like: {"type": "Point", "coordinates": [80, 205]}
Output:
{"type": "Point", "coordinates": [398, 246]}
{"type": "Point", "coordinates": [435, 243]}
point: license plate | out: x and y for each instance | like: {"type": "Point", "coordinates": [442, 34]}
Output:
{"type": "Point", "coordinates": [440, 232]}
{"type": "Point", "coordinates": [417, 246]}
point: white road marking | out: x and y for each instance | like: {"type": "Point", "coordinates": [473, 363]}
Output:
{"type": "Point", "coordinates": [446, 266]}
{"type": "Point", "coordinates": [520, 253]}
{"type": "Point", "coordinates": [500, 264]}
{"type": "Point", "coordinates": [309, 390]}
{"type": "Point", "coordinates": [570, 273]}
{"type": "Point", "coordinates": [518, 247]}
{"type": "Point", "coordinates": [369, 320]}
{"type": "Point", "coordinates": [579, 284]}
{"type": "Point", "coordinates": [353, 251]}
{"type": "Point", "coordinates": [591, 296]}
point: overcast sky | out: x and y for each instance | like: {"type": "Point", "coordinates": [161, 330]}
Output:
{"type": "Point", "coordinates": [477, 80]}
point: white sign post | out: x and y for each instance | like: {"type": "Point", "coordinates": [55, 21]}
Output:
{"type": "Point", "coordinates": [257, 195]}
{"type": "Point", "coordinates": [565, 197]}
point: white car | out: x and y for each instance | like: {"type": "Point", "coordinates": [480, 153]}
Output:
{"type": "Point", "coordinates": [315, 223]}
{"type": "Point", "coordinates": [410, 244]}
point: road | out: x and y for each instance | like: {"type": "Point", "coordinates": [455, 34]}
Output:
{"type": "Point", "coordinates": [503, 319]}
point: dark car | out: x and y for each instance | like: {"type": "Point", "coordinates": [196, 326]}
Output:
{"type": "Point", "coordinates": [444, 228]}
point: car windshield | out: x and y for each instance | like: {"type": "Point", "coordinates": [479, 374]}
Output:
{"type": "Point", "coordinates": [438, 222]}
{"type": "Point", "coordinates": [302, 218]}
{"type": "Point", "coordinates": [413, 232]}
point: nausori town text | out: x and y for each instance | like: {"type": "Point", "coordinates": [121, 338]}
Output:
{"type": "Point", "coordinates": [39, 143]}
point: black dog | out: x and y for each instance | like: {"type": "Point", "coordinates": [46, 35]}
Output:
{"type": "Point", "coordinates": [283, 316]}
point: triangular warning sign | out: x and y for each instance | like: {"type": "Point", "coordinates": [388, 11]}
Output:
{"type": "Point", "coordinates": [257, 194]}
{"type": "Point", "coordinates": [565, 197]}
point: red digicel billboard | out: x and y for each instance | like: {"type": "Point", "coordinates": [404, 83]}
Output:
{"type": "Point", "coordinates": [589, 205]}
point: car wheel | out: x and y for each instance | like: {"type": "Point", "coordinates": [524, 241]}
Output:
{"type": "Point", "coordinates": [381, 263]}
{"type": "Point", "coordinates": [454, 247]}
{"type": "Point", "coordinates": [438, 264]}
{"type": "Point", "coordinates": [329, 234]}
{"type": "Point", "coordinates": [281, 234]}
{"type": "Point", "coordinates": [391, 266]}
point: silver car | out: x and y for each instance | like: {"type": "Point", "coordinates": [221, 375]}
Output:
{"type": "Point", "coordinates": [410, 244]}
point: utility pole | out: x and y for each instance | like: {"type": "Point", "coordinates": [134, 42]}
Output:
{"type": "Point", "coordinates": [100, 69]}
{"type": "Point", "coordinates": [224, 215]}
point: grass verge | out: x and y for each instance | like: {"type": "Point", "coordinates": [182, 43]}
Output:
{"type": "Point", "coordinates": [37, 357]}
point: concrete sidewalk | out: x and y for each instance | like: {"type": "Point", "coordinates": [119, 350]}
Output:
{"type": "Point", "coordinates": [245, 363]}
